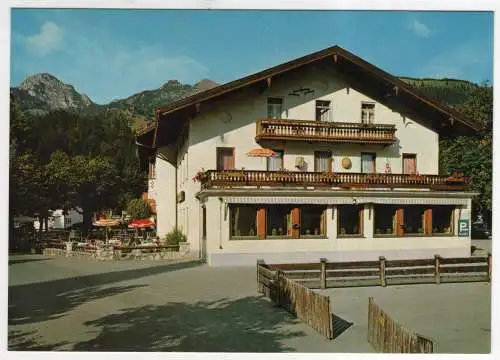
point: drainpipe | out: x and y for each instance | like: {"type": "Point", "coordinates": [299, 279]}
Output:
{"type": "Point", "coordinates": [220, 223]}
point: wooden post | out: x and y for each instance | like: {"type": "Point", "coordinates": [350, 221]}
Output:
{"type": "Point", "coordinates": [489, 267]}
{"type": "Point", "coordinates": [323, 273]}
{"type": "Point", "coordinates": [260, 262]}
{"type": "Point", "coordinates": [437, 268]}
{"type": "Point", "coordinates": [277, 283]}
{"type": "Point", "coordinates": [382, 271]}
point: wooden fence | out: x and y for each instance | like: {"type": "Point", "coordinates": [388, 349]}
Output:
{"type": "Point", "coordinates": [308, 306]}
{"type": "Point", "coordinates": [386, 335]}
{"type": "Point", "coordinates": [385, 272]}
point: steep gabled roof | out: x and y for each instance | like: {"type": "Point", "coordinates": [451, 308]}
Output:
{"type": "Point", "coordinates": [447, 115]}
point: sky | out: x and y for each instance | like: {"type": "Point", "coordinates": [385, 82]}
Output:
{"type": "Point", "coordinates": [112, 54]}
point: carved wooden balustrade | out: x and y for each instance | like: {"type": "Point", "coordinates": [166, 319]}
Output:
{"type": "Point", "coordinates": [272, 129]}
{"type": "Point", "coordinates": [234, 178]}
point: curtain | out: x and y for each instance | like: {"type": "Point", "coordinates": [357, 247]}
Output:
{"type": "Point", "coordinates": [367, 163]}
{"type": "Point", "coordinates": [275, 163]}
{"type": "Point", "coordinates": [225, 159]}
{"type": "Point", "coordinates": [322, 161]}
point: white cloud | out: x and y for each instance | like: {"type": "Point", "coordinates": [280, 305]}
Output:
{"type": "Point", "coordinates": [419, 28]}
{"type": "Point", "coordinates": [49, 38]}
{"type": "Point", "coordinates": [457, 63]}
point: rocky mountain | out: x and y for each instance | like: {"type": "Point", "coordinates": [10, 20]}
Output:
{"type": "Point", "coordinates": [41, 93]}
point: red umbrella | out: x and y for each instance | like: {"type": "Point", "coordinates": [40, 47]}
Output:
{"type": "Point", "coordinates": [141, 224]}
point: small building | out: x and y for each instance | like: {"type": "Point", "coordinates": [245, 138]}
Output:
{"type": "Point", "coordinates": [322, 156]}
{"type": "Point", "coordinates": [59, 220]}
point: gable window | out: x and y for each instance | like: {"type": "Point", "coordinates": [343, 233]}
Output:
{"type": "Point", "coordinates": [274, 107]}
{"type": "Point", "coordinates": [275, 162]}
{"type": "Point", "coordinates": [225, 158]}
{"type": "Point", "coordinates": [368, 163]}
{"type": "Point", "coordinates": [409, 163]}
{"type": "Point", "coordinates": [367, 113]}
{"type": "Point", "coordinates": [323, 110]}
{"type": "Point", "coordinates": [322, 161]}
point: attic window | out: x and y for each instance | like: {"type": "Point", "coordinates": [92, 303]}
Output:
{"type": "Point", "coordinates": [323, 111]}
{"type": "Point", "coordinates": [274, 107]}
{"type": "Point", "coordinates": [367, 113]}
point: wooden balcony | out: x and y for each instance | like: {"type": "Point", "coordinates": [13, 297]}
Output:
{"type": "Point", "coordinates": [237, 178]}
{"type": "Point", "coordinates": [300, 130]}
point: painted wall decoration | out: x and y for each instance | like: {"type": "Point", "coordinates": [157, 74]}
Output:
{"type": "Point", "coordinates": [346, 163]}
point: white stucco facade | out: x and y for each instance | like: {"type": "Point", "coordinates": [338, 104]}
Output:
{"type": "Point", "coordinates": [232, 123]}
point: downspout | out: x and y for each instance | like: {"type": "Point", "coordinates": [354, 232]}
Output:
{"type": "Point", "coordinates": [220, 223]}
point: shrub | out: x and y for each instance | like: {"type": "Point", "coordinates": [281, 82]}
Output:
{"type": "Point", "coordinates": [138, 209]}
{"type": "Point", "coordinates": [175, 237]}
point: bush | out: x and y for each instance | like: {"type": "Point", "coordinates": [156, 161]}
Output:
{"type": "Point", "coordinates": [138, 209]}
{"type": "Point", "coordinates": [175, 237]}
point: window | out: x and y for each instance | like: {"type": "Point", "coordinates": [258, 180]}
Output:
{"type": "Point", "coordinates": [322, 161]}
{"type": "Point", "coordinates": [274, 108]}
{"type": "Point", "coordinates": [225, 159]}
{"type": "Point", "coordinates": [275, 162]}
{"type": "Point", "coordinates": [367, 113]}
{"type": "Point", "coordinates": [279, 220]}
{"type": "Point", "coordinates": [368, 163]}
{"type": "Point", "coordinates": [385, 221]}
{"type": "Point", "coordinates": [414, 219]}
{"type": "Point", "coordinates": [323, 111]}
{"type": "Point", "coordinates": [350, 220]}
{"type": "Point", "coordinates": [409, 163]}
{"type": "Point", "coordinates": [243, 221]}
{"type": "Point", "coordinates": [442, 219]}
{"type": "Point", "coordinates": [67, 220]}
{"type": "Point", "coordinates": [312, 221]}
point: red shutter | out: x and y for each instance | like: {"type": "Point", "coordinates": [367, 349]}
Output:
{"type": "Point", "coordinates": [261, 223]}
{"type": "Point", "coordinates": [428, 221]}
{"type": "Point", "coordinates": [295, 222]}
{"type": "Point", "coordinates": [399, 222]}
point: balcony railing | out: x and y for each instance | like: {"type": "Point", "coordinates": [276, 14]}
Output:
{"type": "Point", "coordinates": [273, 129]}
{"type": "Point", "coordinates": [235, 178]}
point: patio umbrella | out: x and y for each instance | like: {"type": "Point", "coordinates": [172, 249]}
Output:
{"type": "Point", "coordinates": [141, 224]}
{"type": "Point", "coordinates": [107, 223]}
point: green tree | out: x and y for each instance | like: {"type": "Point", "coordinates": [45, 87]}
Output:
{"type": "Point", "coordinates": [138, 209]}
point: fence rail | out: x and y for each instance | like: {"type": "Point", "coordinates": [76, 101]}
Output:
{"type": "Point", "coordinates": [388, 272]}
{"type": "Point", "coordinates": [388, 336]}
{"type": "Point", "coordinates": [309, 307]}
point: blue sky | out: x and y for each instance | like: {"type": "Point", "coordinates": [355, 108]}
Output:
{"type": "Point", "coordinates": [111, 54]}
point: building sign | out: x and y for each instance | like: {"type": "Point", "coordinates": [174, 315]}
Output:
{"type": "Point", "coordinates": [463, 227]}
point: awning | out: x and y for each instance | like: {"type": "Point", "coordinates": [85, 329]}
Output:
{"type": "Point", "coordinates": [343, 200]}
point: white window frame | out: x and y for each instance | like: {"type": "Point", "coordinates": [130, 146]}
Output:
{"type": "Point", "coordinates": [370, 116]}
{"type": "Point", "coordinates": [328, 108]}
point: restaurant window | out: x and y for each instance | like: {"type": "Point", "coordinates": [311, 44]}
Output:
{"type": "Point", "coordinates": [367, 113]}
{"type": "Point", "coordinates": [279, 220]}
{"type": "Point", "coordinates": [414, 219]}
{"type": "Point", "coordinates": [243, 221]}
{"type": "Point", "coordinates": [385, 221]}
{"type": "Point", "coordinates": [368, 163]}
{"type": "Point", "coordinates": [274, 107]}
{"type": "Point", "coordinates": [225, 158]}
{"type": "Point", "coordinates": [442, 219]}
{"type": "Point", "coordinates": [409, 163]}
{"type": "Point", "coordinates": [312, 221]}
{"type": "Point", "coordinates": [322, 161]}
{"type": "Point", "coordinates": [350, 220]}
{"type": "Point", "coordinates": [275, 162]}
{"type": "Point", "coordinates": [323, 110]}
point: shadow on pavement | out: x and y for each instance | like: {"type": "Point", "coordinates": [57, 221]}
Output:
{"type": "Point", "coordinates": [339, 326]}
{"type": "Point", "coordinates": [249, 324]}
{"type": "Point", "coordinates": [25, 260]}
{"type": "Point", "coordinates": [31, 303]}
{"type": "Point", "coordinates": [22, 341]}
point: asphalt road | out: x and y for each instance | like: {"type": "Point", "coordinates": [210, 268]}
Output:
{"type": "Point", "coordinates": [85, 305]}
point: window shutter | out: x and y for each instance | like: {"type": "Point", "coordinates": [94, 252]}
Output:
{"type": "Point", "coordinates": [399, 222]}
{"type": "Point", "coordinates": [261, 223]}
{"type": "Point", "coordinates": [295, 221]}
{"type": "Point", "coordinates": [428, 221]}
